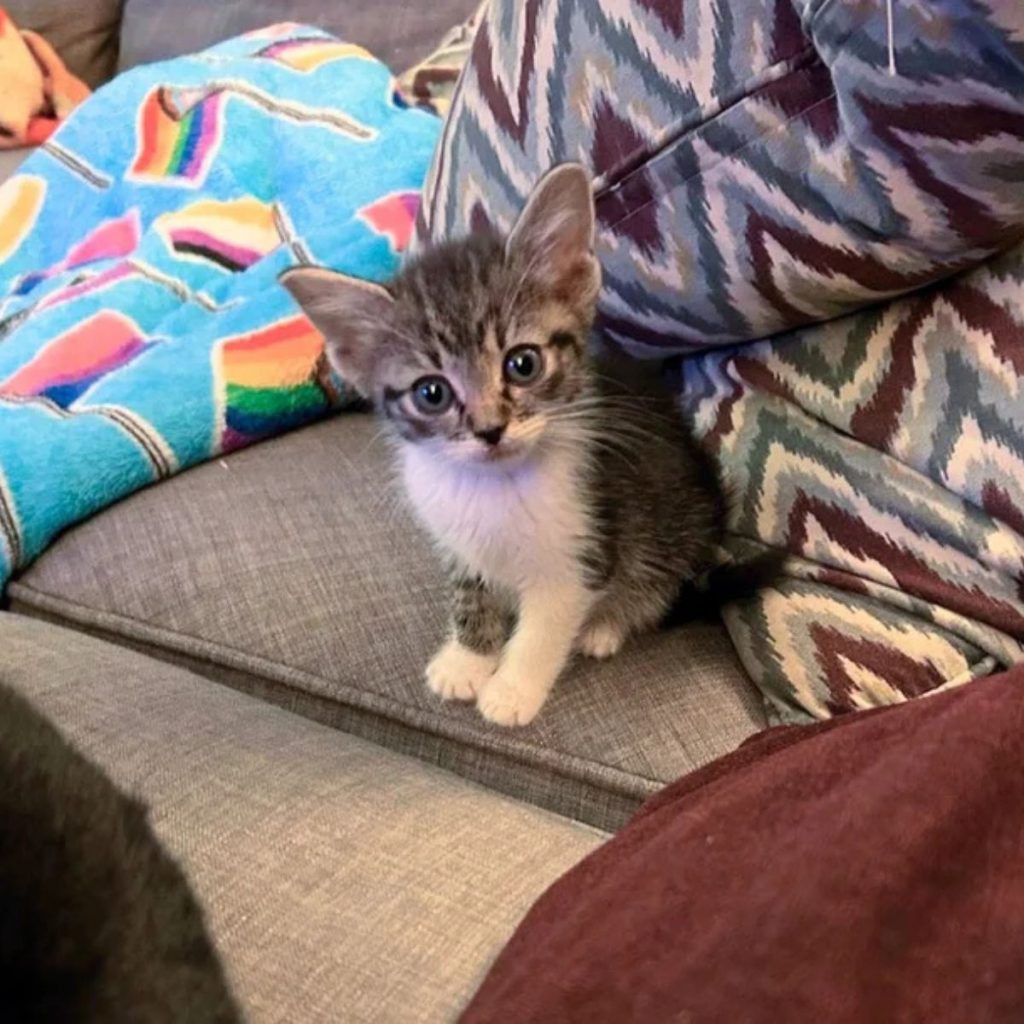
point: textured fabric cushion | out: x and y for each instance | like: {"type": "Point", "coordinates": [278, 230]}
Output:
{"type": "Point", "coordinates": [293, 571]}
{"type": "Point", "coordinates": [755, 164]}
{"type": "Point", "coordinates": [341, 882]}
{"type": "Point", "coordinates": [397, 32]}
{"type": "Point", "coordinates": [84, 33]}
{"type": "Point", "coordinates": [431, 82]}
{"type": "Point", "coordinates": [885, 451]}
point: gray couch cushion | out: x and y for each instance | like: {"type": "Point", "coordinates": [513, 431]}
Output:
{"type": "Point", "coordinates": [84, 33]}
{"type": "Point", "coordinates": [398, 32]}
{"type": "Point", "coordinates": [292, 570]}
{"type": "Point", "coordinates": [342, 882]}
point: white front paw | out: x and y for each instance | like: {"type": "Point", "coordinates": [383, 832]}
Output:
{"type": "Point", "coordinates": [457, 673]}
{"type": "Point", "coordinates": [508, 699]}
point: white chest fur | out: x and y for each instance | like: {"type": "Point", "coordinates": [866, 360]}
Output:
{"type": "Point", "coordinates": [515, 527]}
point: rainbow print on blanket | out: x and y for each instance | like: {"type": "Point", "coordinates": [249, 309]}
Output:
{"type": "Point", "coordinates": [177, 145]}
{"type": "Point", "coordinates": [310, 54]}
{"type": "Point", "coordinates": [142, 328]}
{"type": "Point", "coordinates": [266, 379]}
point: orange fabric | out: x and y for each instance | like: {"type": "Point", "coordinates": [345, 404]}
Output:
{"type": "Point", "coordinates": [36, 89]}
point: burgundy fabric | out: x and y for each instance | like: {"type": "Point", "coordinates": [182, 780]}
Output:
{"type": "Point", "coordinates": [867, 869]}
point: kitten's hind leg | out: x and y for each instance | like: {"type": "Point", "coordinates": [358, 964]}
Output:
{"type": "Point", "coordinates": [468, 659]}
{"type": "Point", "coordinates": [602, 637]}
{"type": "Point", "coordinates": [622, 612]}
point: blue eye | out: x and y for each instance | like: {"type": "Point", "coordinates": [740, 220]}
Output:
{"type": "Point", "coordinates": [432, 395]}
{"type": "Point", "coordinates": [523, 365]}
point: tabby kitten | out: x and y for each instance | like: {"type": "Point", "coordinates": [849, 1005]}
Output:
{"type": "Point", "coordinates": [571, 506]}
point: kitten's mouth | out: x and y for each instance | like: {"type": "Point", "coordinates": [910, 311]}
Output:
{"type": "Point", "coordinates": [507, 453]}
{"type": "Point", "coordinates": [501, 452]}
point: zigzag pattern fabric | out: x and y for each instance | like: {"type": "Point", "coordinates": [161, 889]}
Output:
{"type": "Point", "coordinates": [758, 167]}
{"type": "Point", "coordinates": [142, 328]}
{"type": "Point", "coordinates": [884, 450]}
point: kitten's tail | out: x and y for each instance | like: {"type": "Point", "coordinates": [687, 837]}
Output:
{"type": "Point", "coordinates": [704, 597]}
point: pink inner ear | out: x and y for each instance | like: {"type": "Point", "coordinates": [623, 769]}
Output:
{"type": "Point", "coordinates": [554, 233]}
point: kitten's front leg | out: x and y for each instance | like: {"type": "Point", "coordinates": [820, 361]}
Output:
{"type": "Point", "coordinates": [550, 616]}
{"type": "Point", "coordinates": [479, 627]}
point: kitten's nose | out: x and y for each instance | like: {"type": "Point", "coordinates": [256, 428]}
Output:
{"type": "Point", "coordinates": [490, 435]}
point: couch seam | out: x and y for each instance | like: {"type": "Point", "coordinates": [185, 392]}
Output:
{"type": "Point", "coordinates": [614, 780]}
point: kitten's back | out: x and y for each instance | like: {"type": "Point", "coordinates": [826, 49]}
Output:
{"type": "Point", "coordinates": [669, 505]}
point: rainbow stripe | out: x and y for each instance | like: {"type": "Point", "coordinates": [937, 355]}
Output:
{"type": "Point", "coordinates": [115, 238]}
{"type": "Point", "coordinates": [267, 380]}
{"type": "Point", "coordinates": [21, 199]}
{"type": "Point", "coordinates": [233, 234]}
{"type": "Point", "coordinates": [96, 283]}
{"type": "Point", "coordinates": [309, 54]}
{"type": "Point", "coordinates": [394, 216]}
{"type": "Point", "coordinates": [279, 30]}
{"type": "Point", "coordinates": [177, 145]}
{"type": "Point", "coordinates": [65, 368]}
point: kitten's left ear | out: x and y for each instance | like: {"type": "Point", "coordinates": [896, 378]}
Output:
{"type": "Point", "coordinates": [348, 312]}
{"type": "Point", "coordinates": [554, 236]}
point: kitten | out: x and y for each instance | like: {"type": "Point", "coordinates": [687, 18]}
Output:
{"type": "Point", "coordinates": [571, 505]}
{"type": "Point", "coordinates": [97, 923]}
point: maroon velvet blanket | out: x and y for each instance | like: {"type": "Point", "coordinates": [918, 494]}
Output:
{"type": "Point", "coordinates": [867, 869]}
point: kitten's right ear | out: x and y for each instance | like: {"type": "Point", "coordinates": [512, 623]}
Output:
{"type": "Point", "coordinates": [346, 311]}
{"type": "Point", "coordinates": [554, 235]}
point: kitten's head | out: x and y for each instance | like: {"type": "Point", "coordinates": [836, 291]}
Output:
{"type": "Point", "coordinates": [478, 347]}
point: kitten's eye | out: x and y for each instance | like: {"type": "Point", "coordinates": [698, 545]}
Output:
{"type": "Point", "coordinates": [523, 364]}
{"type": "Point", "coordinates": [432, 395]}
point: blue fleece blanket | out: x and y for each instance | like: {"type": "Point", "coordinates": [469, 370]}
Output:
{"type": "Point", "coordinates": [142, 329]}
